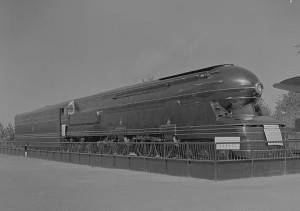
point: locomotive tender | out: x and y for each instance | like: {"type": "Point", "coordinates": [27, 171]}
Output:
{"type": "Point", "coordinates": [217, 103]}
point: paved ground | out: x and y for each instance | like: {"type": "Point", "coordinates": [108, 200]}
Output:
{"type": "Point", "coordinates": [37, 185]}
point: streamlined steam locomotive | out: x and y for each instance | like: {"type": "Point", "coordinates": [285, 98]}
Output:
{"type": "Point", "coordinates": [217, 103]}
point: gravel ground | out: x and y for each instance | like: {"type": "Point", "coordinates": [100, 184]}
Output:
{"type": "Point", "coordinates": [31, 184]}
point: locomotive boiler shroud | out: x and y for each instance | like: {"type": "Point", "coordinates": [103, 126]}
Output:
{"type": "Point", "coordinates": [200, 105]}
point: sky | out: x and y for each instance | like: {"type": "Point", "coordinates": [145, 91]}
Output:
{"type": "Point", "coordinates": [52, 51]}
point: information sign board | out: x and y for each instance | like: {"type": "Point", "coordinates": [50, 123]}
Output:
{"type": "Point", "coordinates": [227, 142]}
{"type": "Point", "coordinates": [273, 134]}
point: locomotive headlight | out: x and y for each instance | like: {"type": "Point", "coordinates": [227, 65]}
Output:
{"type": "Point", "coordinates": [259, 88]}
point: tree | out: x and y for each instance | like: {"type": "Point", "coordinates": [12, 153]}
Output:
{"type": "Point", "coordinates": [287, 109]}
{"type": "Point", "coordinates": [2, 132]}
{"type": "Point", "coordinates": [10, 132]}
{"type": "Point", "coordinates": [7, 133]}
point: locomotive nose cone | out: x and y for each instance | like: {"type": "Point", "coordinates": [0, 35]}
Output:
{"type": "Point", "coordinates": [242, 81]}
{"type": "Point", "coordinates": [237, 76]}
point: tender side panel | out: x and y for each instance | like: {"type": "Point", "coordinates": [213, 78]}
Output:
{"type": "Point", "coordinates": [40, 126]}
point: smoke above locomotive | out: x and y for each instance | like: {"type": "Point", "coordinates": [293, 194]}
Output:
{"type": "Point", "coordinates": [217, 103]}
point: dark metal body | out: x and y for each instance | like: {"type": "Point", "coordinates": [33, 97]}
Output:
{"type": "Point", "coordinates": [200, 105]}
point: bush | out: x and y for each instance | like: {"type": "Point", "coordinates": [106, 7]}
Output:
{"type": "Point", "coordinates": [7, 133]}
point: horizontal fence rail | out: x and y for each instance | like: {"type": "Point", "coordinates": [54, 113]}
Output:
{"type": "Point", "coordinates": [169, 150]}
{"type": "Point", "coordinates": [210, 160]}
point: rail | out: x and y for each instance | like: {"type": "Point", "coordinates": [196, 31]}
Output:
{"type": "Point", "coordinates": [228, 151]}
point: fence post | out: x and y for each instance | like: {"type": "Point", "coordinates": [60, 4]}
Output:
{"type": "Point", "coordinates": [215, 162]}
{"type": "Point", "coordinates": [145, 158]}
{"type": "Point", "coordinates": [188, 158]}
{"type": "Point", "coordinates": [89, 158]}
{"type": "Point", "coordinates": [60, 153]}
{"type": "Point", "coordinates": [285, 154]}
{"type": "Point", "coordinates": [165, 159]}
{"type": "Point", "coordinates": [164, 150]}
{"type": "Point", "coordinates": [252, 159]}
{"type": "Point", "coordinates": [25, 150]}
{"type": "Point", "coordinates": [111, 153]}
